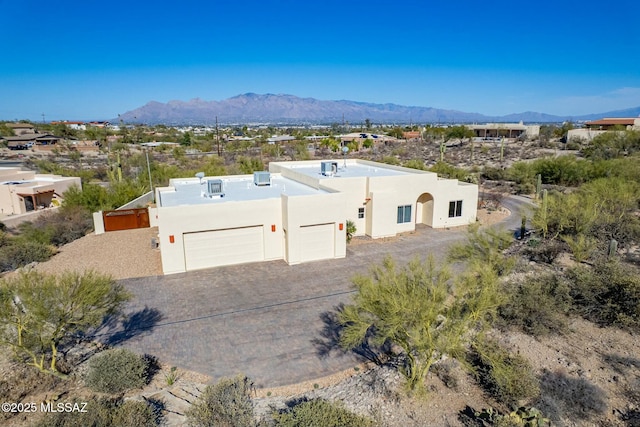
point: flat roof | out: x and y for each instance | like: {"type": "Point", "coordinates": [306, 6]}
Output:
{"type": "Point", "coordinates": [188, 191]}
{"type": "Point", "coordinates": [353, 169]}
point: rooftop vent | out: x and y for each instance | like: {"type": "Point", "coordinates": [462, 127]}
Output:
{"type": "Point", "coordinates": [328, 168]}
{"type": "Point", "coordinates": [262, 178]}
{"type": "Point", "coordinates": [214, 188]}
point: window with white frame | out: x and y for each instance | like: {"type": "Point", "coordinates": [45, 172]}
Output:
{"type": "Point", "coordinates": [455, 208]}
{"type": "Point", "coordinates": [404, 214]}
{"type": "Point", "coordinates": [360, 213]}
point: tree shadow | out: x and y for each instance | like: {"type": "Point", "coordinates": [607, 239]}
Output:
{"type": "Point", "coordinates": [115, 330]}
{"type": "Point", "coordinates": [563, 396]}
{"type": "Point", "coordinates": [621, 364]}
{"type": "Point", "coordinates": [329, 341]}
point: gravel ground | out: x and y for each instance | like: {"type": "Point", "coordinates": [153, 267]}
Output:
{"type": "Point", "coordinates": [122, 254]}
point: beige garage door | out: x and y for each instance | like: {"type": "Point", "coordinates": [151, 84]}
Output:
{"type": "Point", "coordinates": [317, 242]}
{"type": "Point", "coordinates": [214, 248]}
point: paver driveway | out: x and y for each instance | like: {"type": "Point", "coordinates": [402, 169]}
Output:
{"type": "Point", "coordinates": [263, 319]}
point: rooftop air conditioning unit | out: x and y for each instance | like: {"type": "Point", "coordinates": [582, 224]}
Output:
{"type": "Point", "coordinates": [214, 188]}
{"type": "Point", "coordinates": [328, 168]}
{"type": "Point", "coordinates": [262, 178]}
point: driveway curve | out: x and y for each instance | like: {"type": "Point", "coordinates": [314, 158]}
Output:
{"type": "Point", "coordinates": [264, 320]}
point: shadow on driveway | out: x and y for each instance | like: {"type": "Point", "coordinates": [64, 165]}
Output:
{"type": "Point", "coordinates": [273, 322]}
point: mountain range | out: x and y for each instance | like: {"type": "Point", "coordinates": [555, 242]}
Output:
{"type": "Point", "coordinates": [289, 109]}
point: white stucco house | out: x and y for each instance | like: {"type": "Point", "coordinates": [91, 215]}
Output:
{"type": "Point", "coordinates": [297, 211]}
{"type": "Point", "coordinates": [23, 191]}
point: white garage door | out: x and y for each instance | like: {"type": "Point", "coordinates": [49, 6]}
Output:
{"type": "Point", "coordinates": [223, 247]}
{"type": "Point", "coordinates": [317, 242]}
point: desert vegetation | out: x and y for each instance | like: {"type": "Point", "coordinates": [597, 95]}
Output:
{"type": "Point", "coordinates": [452, 321]}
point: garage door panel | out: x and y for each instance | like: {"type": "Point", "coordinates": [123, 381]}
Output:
{"type": "Point", "coordinates": [223, 247]}
{"type": "Point", "coordinates": [317, 242]}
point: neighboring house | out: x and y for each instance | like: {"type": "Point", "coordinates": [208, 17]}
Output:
{"type": "Point", "coordinates": [21, 128]}
{"type": "Point", "coordinates": [159, 144]}
{"type": "Point", "coordinates": [598, 127]}
{"type": "Point", "coordinates": [360, 137]}
{"type": "Point", "coordinates": [297, 212]}
{"type": "Point", "coordinates": [98, 124]}
{"type": "Point", "coordinates": [611, 123]}
{"type": "Point", "coordinates": [28, 140]}
{"type": "Point", "coordinates": [411, 135]}
{"type": "Point", "coordinates": [72, 125]}
{"type": "Point", "coordinates": [25, 191]}
{"type": "Point", "coordinates": [505, 130]}
{"type": "Point", "coordinates": [280, 138]}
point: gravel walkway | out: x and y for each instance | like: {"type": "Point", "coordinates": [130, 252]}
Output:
{"type": "Point", "coordinates": [122, 254]}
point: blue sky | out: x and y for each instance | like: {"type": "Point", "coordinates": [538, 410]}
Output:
{"type": "Point", "coordinates": [93, 60]}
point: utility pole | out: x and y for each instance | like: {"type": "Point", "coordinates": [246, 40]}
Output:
{"type": "Point", "coordinates": [153, 197]}
{"type": "Point", "coordinates": [43, 118]}
{"type": "Point", "coordinates": [218, 137]}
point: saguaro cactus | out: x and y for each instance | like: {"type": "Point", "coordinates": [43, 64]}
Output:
{"type": "Point", "coordinates": [613, 247]}
{"type": "Point", "coordinates": [538, 186]}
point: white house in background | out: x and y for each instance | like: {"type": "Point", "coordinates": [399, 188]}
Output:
{"type": "Point", "coordinates": [505, 130]}
{"type": "Point", "coordinates": [26, 191]}
{"type": "Point", "coordinates": [297, 211]}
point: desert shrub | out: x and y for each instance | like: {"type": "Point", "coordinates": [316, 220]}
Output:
{"type": "Point", "coordinates": [227, 403]}
{"type": "Point", "coordinates": [538, 305]}
{"type": "Point", "coordinates": [105, 412]}
{"type": "Point", "coordinates": [567, 397]}
{"type": "Point", "coordinates": [486, 247]}
{"type": "Point", "coordinates": [572, 145]}
{"type": "Point", "coordinates": [58, 228]}
{"type": "Point", "coordinates": [415, 164]}
{"type": "Point", "coordinates": [546, 252]}
{"type": "Point", "coordinates": [582, 246]}
{"type": "Point", "coordinates": [17, 253]}
{"type": "Point", "coordinates": [607, 293]}
{"type": "Point", "coordinates": [318, 413]}
{"type": "Point", "coordinates": [391, 160]}
{"type": "Point", "coordinates": [494, 174]}
{"type": "Point", "coordinates": [115, 371]}
{"type": "Point", "coordinates": [446, 170]}
{"type": "Point", "coordinates": [507, 377]}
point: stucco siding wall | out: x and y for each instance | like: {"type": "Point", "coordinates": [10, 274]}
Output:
{"type": "Point", "coordinates": [312, 210]}
{"type": "Point", "coordinates": [175, 221]}
{"type": "Point", "coordinates": [355, 191]}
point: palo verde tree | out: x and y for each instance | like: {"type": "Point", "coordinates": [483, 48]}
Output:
{"type": "Point", "coordinates": [39, 313]}
{"type": "Point", "coordinates": [419, 309]}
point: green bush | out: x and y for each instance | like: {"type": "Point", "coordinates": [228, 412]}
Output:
{"type": "Point", "coordinates": [319, 413]}
{"type": "Point", "coordinates": [538, 306]}
{"type": "Point", "coordinates": [508, 377]}
{"type": "Point", "coordinates": [58, 228]}
{"type": "Point", "coordinates": [415, 164]}
{"type": "Point", "coordinates": [115, 371]}
{"type": "Point", "coordinates": [607, 293]}
{"type": "Point", "coordinates": [105, 412]}
{"type": "Point", "coordinates": [227, 403]}
{"type": "Point", "coordinates": [16, 253]}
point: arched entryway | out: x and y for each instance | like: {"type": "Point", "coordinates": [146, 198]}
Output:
{"type": "Point", "coordinates": [424, 209]}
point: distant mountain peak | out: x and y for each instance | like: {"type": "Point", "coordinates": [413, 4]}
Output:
{"type": "Point", "coordinates": [285, 108]}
